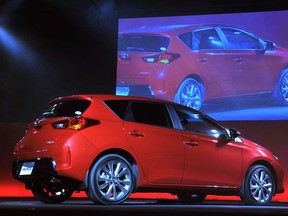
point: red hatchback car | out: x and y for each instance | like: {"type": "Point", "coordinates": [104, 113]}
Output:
{"type": "Point", "coordinates": [111, 146]}
{"type": "Point", "coordinates": [190, 64]}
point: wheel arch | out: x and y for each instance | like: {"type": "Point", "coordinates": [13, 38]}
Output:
{"type": "Point", "coordinates": [198, 79]}
{"type": "Point", "coordinates": [276, 88]}
{"type": "Point", "coordinates": [263, 163]}
{"type": "Point", "coordinates": [122, 153]}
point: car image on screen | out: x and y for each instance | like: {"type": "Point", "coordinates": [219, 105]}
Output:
{"type": "Point", "coordinates": [191, 64]}
{"type": "Point", "coordinates": [111, 146]}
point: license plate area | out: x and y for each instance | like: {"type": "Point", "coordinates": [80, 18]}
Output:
{"type": "Point", "coordinates": [27, 168]}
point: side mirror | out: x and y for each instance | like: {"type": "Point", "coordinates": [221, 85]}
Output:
{"type": "Point", "coordinates": [184, 121]}
{"type": "Point", "coordinates": [223, 139]}
{"type": "Point", "coordinates": [269, 46]}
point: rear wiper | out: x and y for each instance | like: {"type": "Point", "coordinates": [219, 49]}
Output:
{"type": "Point", "coordinates": [48, 115]}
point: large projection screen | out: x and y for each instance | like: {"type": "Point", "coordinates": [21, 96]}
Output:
{"type": "Point", "coordinates": [231, 66]}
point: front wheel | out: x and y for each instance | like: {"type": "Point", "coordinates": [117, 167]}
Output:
{"type": "Point", "coordinates": [111, 180]}
{"type": "Point", "coordinates": [191, 198]}
{"type": "Point", "coordinates": [50, 193]}
{"type": "Point", "coordinates": [259, 186]}
{"type": "Point", "coordinates": [190, 93]}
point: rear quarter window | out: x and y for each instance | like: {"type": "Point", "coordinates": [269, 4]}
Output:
{"type": "Point", "coordinates": [119, 107]}
{"type": "Point", "coordinates": [186, 38]}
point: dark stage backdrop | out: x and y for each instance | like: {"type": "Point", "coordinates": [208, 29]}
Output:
{"type": "Point", "coordinates": [52, 48]}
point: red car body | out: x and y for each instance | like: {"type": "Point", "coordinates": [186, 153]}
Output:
{"type": "Point", "coordinates": [152, 140]}
{"type": "Point", "coordinates": [190, 64]}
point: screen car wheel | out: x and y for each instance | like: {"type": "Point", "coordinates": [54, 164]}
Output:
{"type": "Point", "coordinates": [281, 90]}
{"type": "Point", "coordinates": [259, 186]}
{"type": "Point", "coordinates": [190, 93]}
{"type": "Point", "coordinates": [111, 180]}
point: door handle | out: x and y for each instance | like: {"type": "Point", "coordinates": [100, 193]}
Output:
{"type": "Point", "coordinates": [202, 60]}
{"type": "Point", "coordinates": [136, 133]}
{"type": "Point", "coordinates": [238, 60]}
{"type": "Point", "coordinates": [192, 143]}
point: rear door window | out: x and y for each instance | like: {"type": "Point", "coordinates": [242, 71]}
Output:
{"type": "Point", "coordinates": [149, 113]}
{"type": "Point", "coordinates": [206, 39]}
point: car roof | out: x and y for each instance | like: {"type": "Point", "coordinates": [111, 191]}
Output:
{"type": "Point", "coordinates": [171, 28]}
{"type": "Point", "coordinates": [103, 97]}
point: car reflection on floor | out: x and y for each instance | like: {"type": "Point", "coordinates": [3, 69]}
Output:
{"type": "Point", "coordinates": [151, 207]}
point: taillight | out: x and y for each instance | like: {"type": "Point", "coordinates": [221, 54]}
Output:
{"type": "Point", "coordinates": [74, 124]}
{"type": "Point", "coordinates": [77, 123]}
{"type": "Point", "coordinates": [165, 58]}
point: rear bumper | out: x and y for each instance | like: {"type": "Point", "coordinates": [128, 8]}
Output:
{"type": "Point", "coordinates": [135, 90]}
{"type": "Point", "coordinates": [34, 170]}
{"type": "Point", "coordinates": [43, 172]}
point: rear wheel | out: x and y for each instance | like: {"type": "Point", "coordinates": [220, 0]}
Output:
{"type": "Point", "coordinates": [190, 93]}
{"type": "Point", "coordinates": [259, 186]}
{"type": "Point", "coordinates": [111, 180]}
{"type": "Point", "coordinates": [50, 193]}
{"type": "Point", "coordinates": [281, 89]}
{"type": "Point", "coordinates": [191, 198]}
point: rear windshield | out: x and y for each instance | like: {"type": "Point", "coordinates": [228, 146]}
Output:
{"type": "Point", "coordinates": [142, 43]}
{"type": "Point", "coordinates": [67, 108]}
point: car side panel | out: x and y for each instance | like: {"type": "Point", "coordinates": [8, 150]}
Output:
{"type": "Point", "coordinates": [160, 152]}
{"type": "Point", "coordinates": [210, 164]}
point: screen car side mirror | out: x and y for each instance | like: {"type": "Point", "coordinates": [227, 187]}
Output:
{"type": "Point", "coordinates": [269, 46]}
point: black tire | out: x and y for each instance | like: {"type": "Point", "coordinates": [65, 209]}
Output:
{"type": "Point", "coordinates": [281, 89]}
{"type": "Point", "coordinates": [49, 193]}
{"type": "Point", "coordinates": [190, 93]}
{"type": "Point", "coordinates": [111, 180]}
{"type": "Point", "coordinates": [259, 186]}
{"type": "Point", "coordinates": [190, 198]}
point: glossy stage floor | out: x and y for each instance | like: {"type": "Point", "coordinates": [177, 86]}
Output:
{"type": "Point", "coordinates": [136, 207]}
